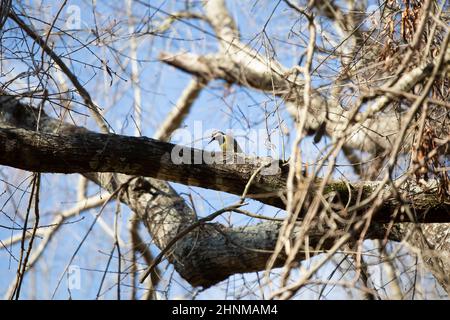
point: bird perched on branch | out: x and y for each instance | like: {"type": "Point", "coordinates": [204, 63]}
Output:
{"type": "Point", "coordinates": [226, 142]}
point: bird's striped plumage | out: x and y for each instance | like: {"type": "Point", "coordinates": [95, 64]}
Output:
{"type": "Point", "coordinates": [226, 142]}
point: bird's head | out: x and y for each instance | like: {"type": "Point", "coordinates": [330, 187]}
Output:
{"type": "Point", "coordinates": [217, 135]}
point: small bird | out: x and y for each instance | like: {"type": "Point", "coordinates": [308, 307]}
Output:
{"type": "Point", "coordinates": [226, 142]}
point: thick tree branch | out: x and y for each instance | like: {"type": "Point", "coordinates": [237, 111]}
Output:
{"type": "Point", "coordinates": [81, 151]}
{"type": "Point", "coordinates": [205, 256]}
{"type": "Point", "coordinates": [94, 152]}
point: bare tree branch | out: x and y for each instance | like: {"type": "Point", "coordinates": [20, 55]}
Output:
{"type": "Point", "coordinates": [181, 109]}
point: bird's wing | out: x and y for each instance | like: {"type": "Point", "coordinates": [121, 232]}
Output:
{"type": "Point", "coordinates": [236, 147]}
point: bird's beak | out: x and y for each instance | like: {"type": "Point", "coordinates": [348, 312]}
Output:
{"type": "Point", "coordinates": [212, 139]}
